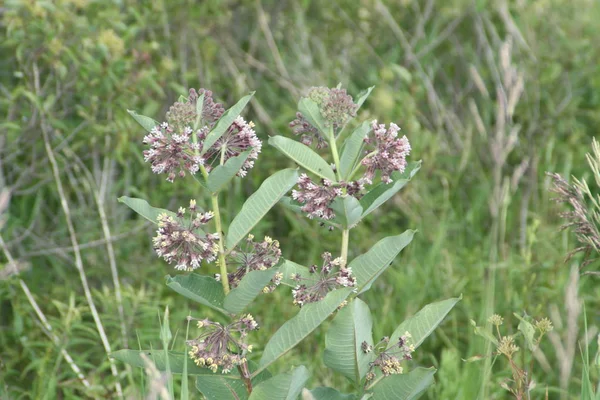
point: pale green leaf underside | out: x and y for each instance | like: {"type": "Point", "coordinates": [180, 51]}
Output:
{"type": "Point", "coordinates": [303, 156]}
{"type": "Point", "coordinates": [176, 361]}
{"type": "Point", "coordinates": [404, 386]}
{"type": "Point", "coordinates": [301, 325]}
{"type": "Point", "coordinates": [257, 205]}
{"type": "Point", "coordinates": [311, 112]}
{"type": "Point", "coordinates": [352, 148]}
{"type": "Point", "coordinates": [146, 122]}
{"type": "Point", "coordinates": [143, 208]}
{"type": "Point", "coordinates": [288, 268]}
{"type": "Point", "coordinates": [225, 122]}
{"type": "Point", "coordinates": [203, 289]}
{"type": "Point", "coordinates": [251, 286]}
{"type": "Point", "coordinates": [367, 267]}
{"type": "Point", "coordinates": [222, 174]}
{"type": "Point", "coordinates": [424, 322]}
{"type": "Point", "coordinates": [218, 387]}
{"type": "Point", "coordinates": [348, 211]}
{"type": "Point", "coordinates": [343, 344]}
{"type": "Point", "coordinates": [327, 393]}
{"type": "Point", "coordinates": [287, 386]}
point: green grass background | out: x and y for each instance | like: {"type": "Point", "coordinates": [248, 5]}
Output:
{"type": "Point", "coordinates": [487, 227]}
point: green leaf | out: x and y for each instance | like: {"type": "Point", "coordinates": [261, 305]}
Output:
{"type": "Point", "coordinates": [352, 148]}
{"type": "Point", "coordinates": [250, 286]}
{"type": "Point", "coordinates": [136, 359]}
{"type": "Point", "coordinates": [303, 156]}
{"type": "Point", "coordinates": [343, 344]}
{"type": "Point", "coordinates": [144, 209]}
{"type": "Point", "coordinates": [362, 96]}
{"type": "Point", "coordinates": [327, 393]}
{"type": "Point", "coordinates": [146, 122]}
{"type": "Point", "coordinates": [219, 387]}
{"type": "Point", "coordinates": [528, 331]}
{"type": "Point", "coordinates": [404, 386]}
{"type": "Point", "coordinates": [312, 113]}
{"type": "Point", "coordinates": [424, 322]}
{"type": "Point", "coordinates": [301, 325]}
{"type": "Point", "coordinates": [257, 205]}
{"type": "Point", "coordinates": [287, 386]}
{"type": "Point", "coordinates": [203, 289]}
{"type": "Point", "coordinates": [288, 268]}
{"type": "Point", "coordinates": [484, 333]}
{"type": "Point", "coordinates": [165, 337]}
{"type": "Point", "coordinates": [367, 267]}
{"type": "Point", "coordinates": [225, 122]}
{"type": "Point", "coordinates": [347, 211]}
{"type": "Point", "coordinates": [384, 191]}
{"type": "Point", "coordinates": [294, 206]}
{"type": "Point", "coordinates": [222, 174]}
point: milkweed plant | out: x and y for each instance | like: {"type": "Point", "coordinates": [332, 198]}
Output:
{"type": "Point", "coordinates": [342, 176]}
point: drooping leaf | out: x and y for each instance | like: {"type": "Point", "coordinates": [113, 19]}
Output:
{"type": "Point", "coordinates": [287, 386]}
{"type": "Point", "coordinates": [203, 289]}
{"type": "Point", "coordinates": [225, 122]}
{"type": "Point", "coordinates": [222, 174]}
{"type": "Point", "coordinates": [424, 322]}
{"type": "Point", "coordinates": [257, 205]}
{"type": "Point", "coordinates": [137, 358]}
{"type": "Point", "coordinates": [404, 386]}
{"type": "Point", "coordinates": [484, 333]}
{"type": "Point", "coordinates": [301, 325]}
{"type": "Point", "coordinates": [528, 331]}
{"type": "Point", "coordinates": [343, 344]}
{"type": "Point", "coordinates": [311, 112]}
{"type": "Point", "coordinates": [382, 192]}
{"type": "Point", "coordinates": [144, 209]}
{"type": "Point", "coordinates": [250, 286]}
{"type": "Point", "coordinates": [362, 96]}
{"type": "Point", "coordinates": [367, 267]}
{"type": "Point", "coordinates": [327, 393]}
{"type": "Point", "coordinates": [347, 210]}
{"type": "Point", "coordinates": [146, 122]}
{"type": "Point", "coordinates": [220, 387]}
{"type": "Point", "coordinates": [352, 148]}
{"type": "Point", "coordinates": [303, 156]}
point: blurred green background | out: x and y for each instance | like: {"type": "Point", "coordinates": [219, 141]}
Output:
{"type": "Point", "coordinates": [491, 95]}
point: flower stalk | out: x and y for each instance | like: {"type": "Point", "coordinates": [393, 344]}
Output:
{"type": "Point", "coordinates": [222, 263]}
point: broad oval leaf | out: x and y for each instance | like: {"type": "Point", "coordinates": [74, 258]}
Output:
{"type": "Point", "coordinates": [222, 174]}
{"type": "Point", "coordinates": [404, 386]}
{"type": "Point", "coordinates": [528, 331]}
{"type": "Point", "coordinates": [144, 209]}
{"type": "Point", "coordinates": [225, 122]}
{"type": "Point", "coordinates": [424, 322]}
{"type": "Point", "coordinates": [257, 205]}
{"type": "Point", "coordinates": [288, 268]}
{"type": "Point", "coordinates": [326, 393]}
{"type": "Point", "coordinates": [203, 289]}
{"type": "Point", "coordinates": [138, 358]}
{"type": "Point", "coordinates": [303, 156]}
{"type": "Point", "coordinates": [347, 210]}
{"type": "Point", "coordinates": [367, 267]}
{"type": "Point", "coordinates": [250, 286]}
{"type": "Point", "coordinates": [384, 191]}
{"type": "Point", "coordinates": [220, 387]}
{"type": "Point", "coordinates": [351, 327]}
{"type": "Point", "coordinates": [146, 122]}
{"type": "Point", "coordinates": [311, 112]}
{"type": "Point", "coordinates": [287, 386]}
{"type": "Point", "coordinates": [352, 148]}
{"type": "Point", "coordinates": [301, 325]}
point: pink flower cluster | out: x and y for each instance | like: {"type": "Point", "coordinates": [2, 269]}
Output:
{"type": "Point", "coordinates": [388, 152]}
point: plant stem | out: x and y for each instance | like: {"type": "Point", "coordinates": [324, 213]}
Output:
{"type": "Point", "coordinates": [334, 153]}
{"type": "Point", "coordinates": [345, 239]}
{"type": "Point", "coordinates": [222, 262]}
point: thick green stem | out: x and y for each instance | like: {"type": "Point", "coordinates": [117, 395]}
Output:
{"type": "Point", "coordinates": [334, 153]}
{"type": "Point", "coordinates": [345, 239]}
{"type": "Point", "coordinates": [222, 262]}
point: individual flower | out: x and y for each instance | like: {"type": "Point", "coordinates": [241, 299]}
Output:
{"type": "Point", "coordinates": [180, 239]}
{"type": "Point", "coordinates": [222, 346]}
{"type": "Point", "coordinates": [171, 151]}
{"type": "Point", "coordinates": [388, 153]}
{"type": "Point", "coordinates": [496, 320]}
{"type": "Point", "coordinates": [332, 275]}
{"type": "Point", "coordinates": [238, 138]}
{"type": "Point", "coordinates": [388, 358]}
{"type": "Point", "coordinates": [544, 325]}
{"type": "Point", "coordinates": [316, 198]}
{"type": "Point", "coordinates": [255, 256]}
{"type": "Point", "coordinates": [183, 114]}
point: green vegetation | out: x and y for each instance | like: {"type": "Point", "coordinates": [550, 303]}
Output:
{"type": "Point", "coordinates": [491, 95]}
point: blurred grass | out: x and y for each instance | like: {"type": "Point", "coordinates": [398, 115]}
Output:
{"type": "Point", "coordinates": [486, 226]}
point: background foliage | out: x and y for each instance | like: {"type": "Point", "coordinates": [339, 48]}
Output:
{"type": "Point", "coordinates": [450, 73]}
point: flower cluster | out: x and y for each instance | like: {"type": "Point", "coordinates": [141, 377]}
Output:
{"type": "Point", "coordinates": [255, 256]}
{"type": "Point", "coordinates": [182, 241]}
{"type": "Point", "coordinates": [336, 107]}
{"type": "Point", "coordinates": [388, 154]}
{"type": "Point", "coordinates": [176, 146]}
{"type": "Point", "coordinates": [222, 346]}
{"type": "Point", "coordinates": [238, 138]}
{"type": "Point", "coordinates": [389, 358]}
{"type": "Point", "coordinates": [332, 275]}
